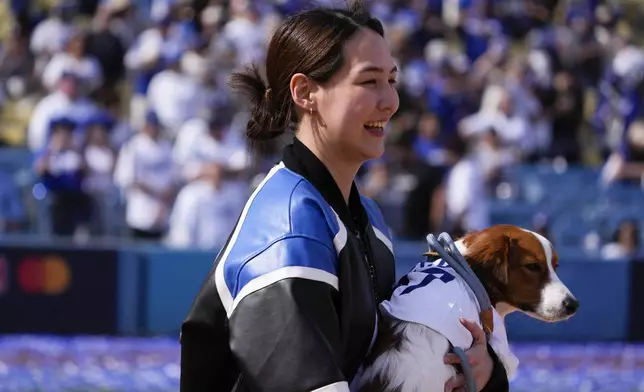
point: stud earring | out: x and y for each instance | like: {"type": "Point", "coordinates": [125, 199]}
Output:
{"type": "Point", "coordinates": [311, 111]}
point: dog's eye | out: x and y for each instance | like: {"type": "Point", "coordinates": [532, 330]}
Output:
{"type": "Point", "coordinates": [535, 267]}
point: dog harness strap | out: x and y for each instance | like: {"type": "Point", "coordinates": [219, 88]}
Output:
{"type": "Point", "coordinates": [445, 247]}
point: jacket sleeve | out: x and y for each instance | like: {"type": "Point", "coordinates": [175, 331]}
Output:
{"type": "Point", "coordinates": [283, 323]}
{"type": "Point", "coordinates": [499, 379]}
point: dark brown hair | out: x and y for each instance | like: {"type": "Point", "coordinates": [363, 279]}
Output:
{"type": "Point", "coordinates": [310, 42]}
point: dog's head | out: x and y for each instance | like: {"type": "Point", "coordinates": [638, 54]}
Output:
{"type": "Point", "coordinates": [519, 270]}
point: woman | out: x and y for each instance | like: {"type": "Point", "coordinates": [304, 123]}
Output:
{"type": "Point", "coordinates": [291, 301]}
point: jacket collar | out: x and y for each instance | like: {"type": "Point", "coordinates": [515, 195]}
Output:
{"type": "Point", "coordinates": [298, 158]}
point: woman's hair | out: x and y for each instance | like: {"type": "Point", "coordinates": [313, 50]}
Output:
{"type": "Point", "coordinates": [310, 42]}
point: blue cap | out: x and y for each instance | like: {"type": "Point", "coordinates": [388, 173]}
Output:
{"type": "Point", "coordinates": [62, 122]}
{"type": "Point", "coordinates": [152, 118]}
{"type": "Point", "coordinates": [69, 74]}
{"type": "Point", "coordinates": [100, 118]}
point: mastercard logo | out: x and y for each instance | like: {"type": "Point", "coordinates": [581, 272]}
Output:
{"type": "Point", "coordinates": [44, 275]}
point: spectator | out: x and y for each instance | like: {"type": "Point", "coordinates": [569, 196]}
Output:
{"type": "Point", "coordinates": [146, 174]}
{"type": "Point", "coordinates": [567, 109]}
{"type": "Point", "coordinates": [49, 36]}
{"type": "Point", "coordinates": [175, 96]}
{"type": "Point", "coordinates": [205, 211]}
{"type": "Point", "coordinates": [100, 157]}
{"type": "Point", "coordinates": [107, 48]}
{"type": "Point", "coordinates": [217, 168]}
{"type": "Point", "coordinates": [428, 144]}
{"type": "Point", "coordinates": [466, 195]}
{"type": "Point", "coordinates": [144, 60]}
{"type": "Point", "coordinates": [74, 59]}
{"type": "Point", "coordinates": [121, 130]}
{"type": "Point", "coordinates": [625, 242]}
{"type": "Point", "coordinates": [627, 164]}
{"type": "Point", "coordinates": [124, 20]}
{"type": "Point", "coordinates": [244, 32]}
{"type": "Point", "coordinates": [512, 128]}
{"type": "Point", "coordinates": [65, 101]}
{"type": "Point", "coordinates": [17, 68]}
{"type": "Point", "coordinates": [62, 170]}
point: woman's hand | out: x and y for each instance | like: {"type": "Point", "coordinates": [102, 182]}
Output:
{"type": "Point", "coordinates": [478, 357]}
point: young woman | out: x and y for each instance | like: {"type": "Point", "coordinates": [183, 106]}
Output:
{"type": "Point", "coordinates": [291, 303]}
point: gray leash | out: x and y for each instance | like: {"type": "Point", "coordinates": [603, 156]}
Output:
{"type": "Point", "coordinates": [445, 247]}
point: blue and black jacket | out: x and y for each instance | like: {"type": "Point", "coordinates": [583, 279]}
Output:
{"type": "Point", "coordinates": [291, 301]}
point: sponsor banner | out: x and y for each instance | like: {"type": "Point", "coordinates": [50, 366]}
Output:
{"type": "Point", "coordinates": [603, 288]}
{"type": "Point", "coordinates": [62, 291]}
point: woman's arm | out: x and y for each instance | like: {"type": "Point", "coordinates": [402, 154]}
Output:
{"type": "Point", "coordinates": [499, 379]}
{"type": "Point", "coordinates": [487, 368]}
{"type": "Point", "coordinates": [287, 338]}
{"type": "Point", "coordinates": [283, 326]}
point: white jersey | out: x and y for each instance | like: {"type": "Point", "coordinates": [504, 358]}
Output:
{"type": "Point", "coordinates": [434, 295]}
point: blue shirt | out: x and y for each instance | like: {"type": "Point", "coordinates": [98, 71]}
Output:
{"type": "Point", "coordinates": [65, 171]}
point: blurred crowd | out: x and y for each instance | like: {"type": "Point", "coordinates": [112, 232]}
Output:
{"type": "Point", "coordinates": [125, 103]}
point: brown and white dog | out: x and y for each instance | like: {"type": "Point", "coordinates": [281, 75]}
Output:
{"type": "Point", "coordinates": [517, 267]}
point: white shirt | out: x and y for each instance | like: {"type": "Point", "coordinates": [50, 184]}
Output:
{"type": "Point", "coordinates": [613, 251]}
{"type": "Point", "coordinates": [175, 98]}
{"type": "Point", "coordinates": [146, 49]}
{"type": "Point", "coordinates": [65, 161]}
{"type": "Point", "coordinates": [440, 303]}
{"type": "Point", "coordinates": [466, 195]}
{"type": "Point", "coordinates": [512, 130]}
{"type": "Point", "coordinates": [50, 107]}
{"type": "Point", "coordinates": [100, 162]}
{"type": "Point", "coordinates": [248, 38]}
{"type": "Point", "coordinates": [185, 145]}
{"type": "Point", "coordinates": [143, 160]}
{"type": "Point", "coordinates": [48, 36]}
{"type": "Point", "coordinates": [204, 216]}
{"type": "Point", "coordinates": [491, 158]}
{"type": "Point", "coordinates": [87, 69]}
{"type": "Point", "coordinates": [194, 146]}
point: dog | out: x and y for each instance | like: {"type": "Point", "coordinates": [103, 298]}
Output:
{"type": "Point", "coordinates": [420, 323]}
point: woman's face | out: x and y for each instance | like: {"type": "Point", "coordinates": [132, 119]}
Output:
{"type": "Point", "coordinates": [353, 108]}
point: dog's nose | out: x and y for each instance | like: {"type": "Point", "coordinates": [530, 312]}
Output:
{"type": "Point", "coordinates": [570, 304]}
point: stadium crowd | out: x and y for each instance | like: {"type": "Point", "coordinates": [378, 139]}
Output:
{"type": "Point", "coordinates": [127, 100]}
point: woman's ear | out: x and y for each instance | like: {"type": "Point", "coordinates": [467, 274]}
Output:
{"type": "Point", "coordinates": [302, 88]}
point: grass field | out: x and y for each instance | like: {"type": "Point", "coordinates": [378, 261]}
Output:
{"type": "Point", "coordinates": [47, 363]}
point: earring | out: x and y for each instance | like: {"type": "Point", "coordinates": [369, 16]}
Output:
{"type": "Point", "coordinates": [311, 111]}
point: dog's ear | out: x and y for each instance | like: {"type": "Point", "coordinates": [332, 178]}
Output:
{"type": "Point", "coordinates": [504, 256]}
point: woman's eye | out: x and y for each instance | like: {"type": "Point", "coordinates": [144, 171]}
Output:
{"type": "Point", "coordinates": [372, 81]}
{"type": "Point", "coordinates": [535, 267]}
{"type": "Point", "coordinates": [393, 82]}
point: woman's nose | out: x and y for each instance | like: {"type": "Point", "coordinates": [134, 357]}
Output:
{"type": "Point", "coordinates": [389, 100]}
